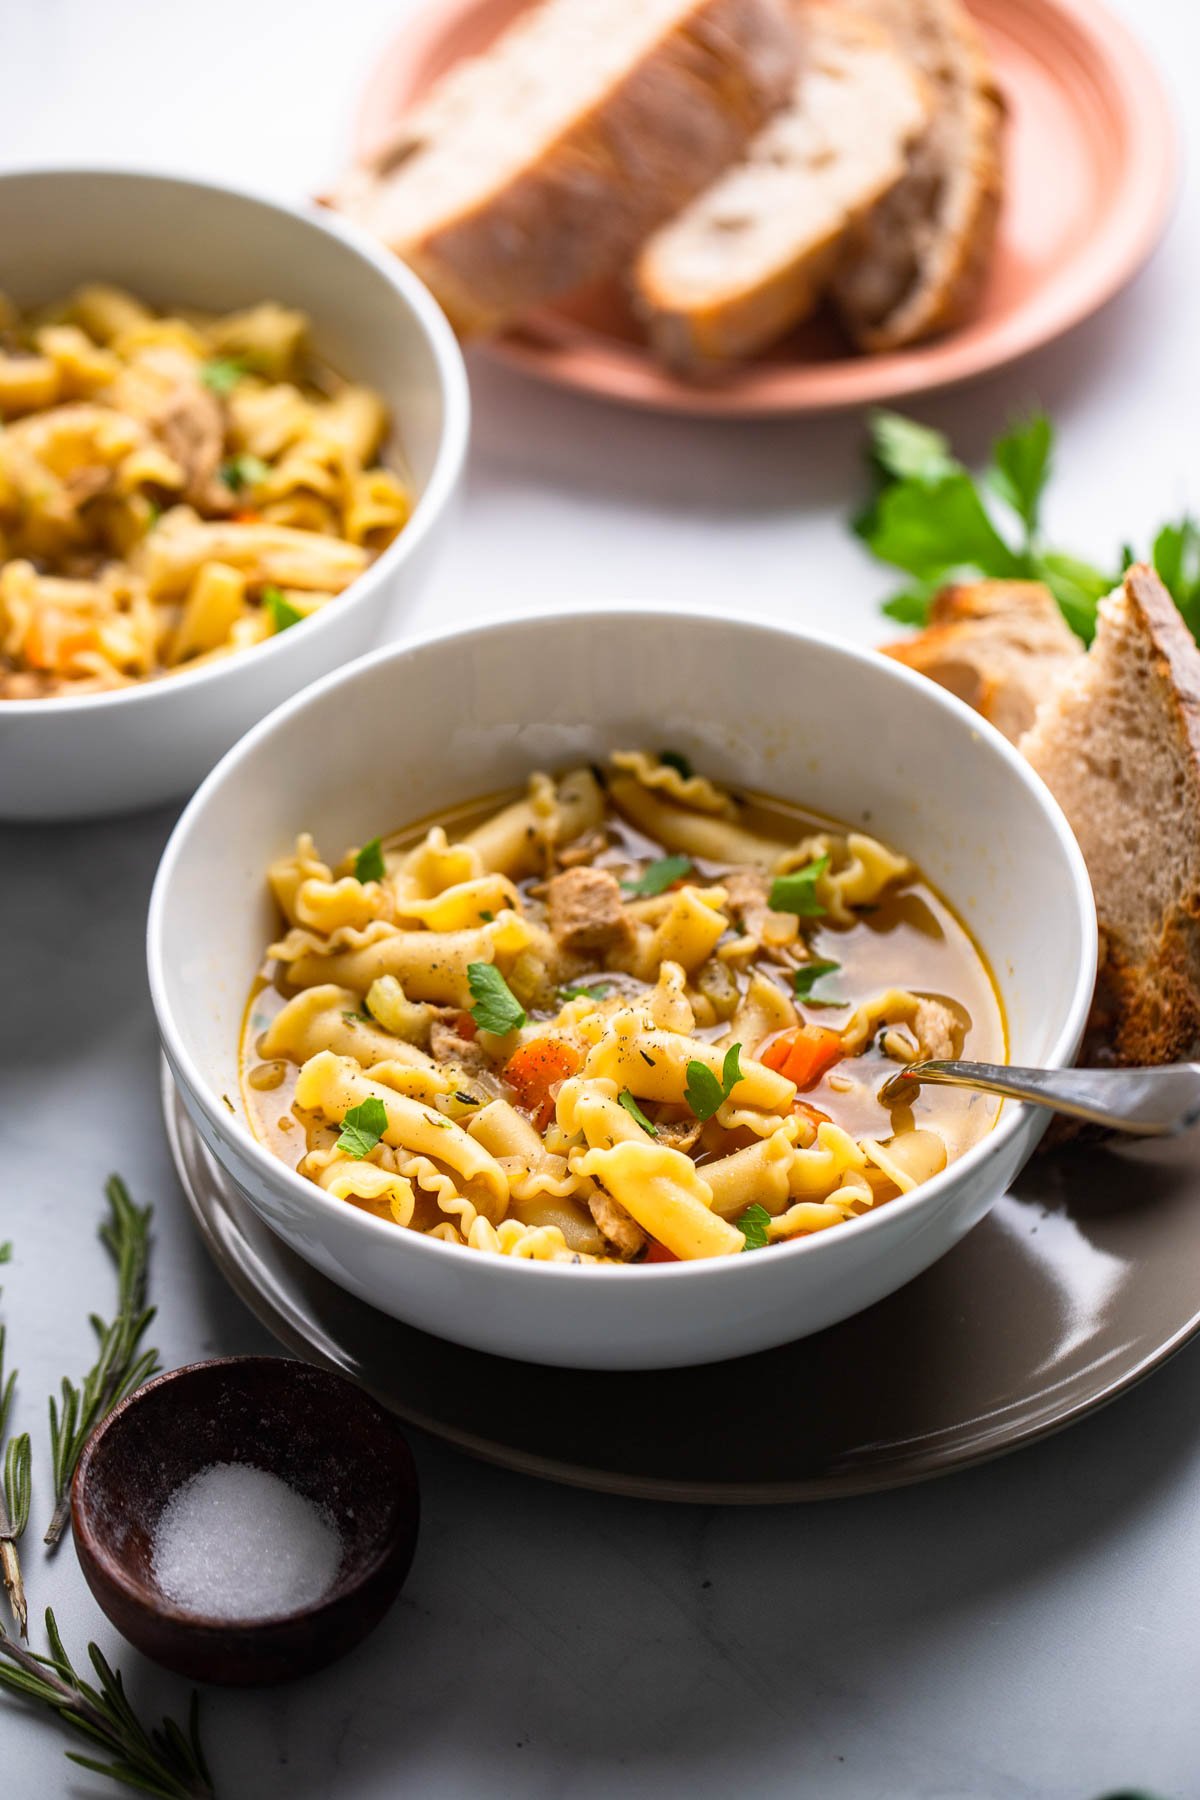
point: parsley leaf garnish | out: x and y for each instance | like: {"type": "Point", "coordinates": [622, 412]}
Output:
{"type": "Point", "coordinates": [362, 1127]}
{"type": "Point", "coordinates": [243, 471]}
{"type": "Point", "coordinates": [626, 1099]}
{"type": "Point", "coordinates": [369, 864]}
{"type": "Point", "coordinates": [805, 978]}
{"type": "Point", "coordinates": [596, 990]}
{"type": "Point", "coordinates": [283, 613]}
{"type": "Point", "coordinates": [704, 1093]}
{"type": "Point", "coordinates": [496, 1007]}
{"type": "Point", "coordinates": [932, 519]}
{"type": "Point", "coordinates": [672, 759]}
{"type": "Point", "coordinates": [753, 1226]}
{"type": "Point", "coordinates": [221, 374]}
{"type": "Point", "coordinates": [797, 892]}
{"type": "Point", "coordinates": [657, 876]}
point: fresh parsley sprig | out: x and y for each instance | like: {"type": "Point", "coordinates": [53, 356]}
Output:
{"type": "Point", "coordinates": [626, 1099]}
{"type": "Point", "coordinates": [121, 1363]}
{"type": "Point", "coordinates": [932, 519]}
{"type": "Point", "coordinates": [806, 977]}
{"type": "Point", "coordinates": [369, 863]}
{"type": "Point", "coordinates": [658, 876]}
{"type": "Point", "coordinates": [797, 892]}
{"type": "Point", "coordinates": [704, 1093]}
{"type": "Point", "coordinates": [362, 1127]}
{"type": "Point", "coordinates": [283, 614]}
{"type": "Point", "coordinates": [753, 1226]}
{"type": "Point", "coordinates": [167, 1761]}
{"type": "Point", "coordinates": [496, 1008]}
{"type": "Point", "coordinates": [221, 374]}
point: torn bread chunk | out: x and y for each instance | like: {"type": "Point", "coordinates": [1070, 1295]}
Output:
{"type": "Point", "coordinates": [920, 258]}
{"type": "Point", "coordinates": [750, 257]}
{"type": "Point", "coordinates": [543, 163]}
{"type": "Point", "coordinates": [1118, 745]}
{"type": "Point", "coordinates": [1002, 646]}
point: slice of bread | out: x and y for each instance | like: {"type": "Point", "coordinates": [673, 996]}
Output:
{"type": "Point", "coordinates": [1002, 646]}
{"type": "Point", "coordinates": [750, 257]}
{"type": "Point", "coordinates": [920, 258]}
{"type": "Point", "coordinates": [544, 163]}
{"type": "Point", "coordinates": [1119, 747]}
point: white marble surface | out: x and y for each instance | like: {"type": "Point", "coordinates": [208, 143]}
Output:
{"type": "Point", "coordinates": [1027, 1630]}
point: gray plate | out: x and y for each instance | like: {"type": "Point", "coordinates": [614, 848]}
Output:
{"type": "Point", "coordinates": [1079, 1283]}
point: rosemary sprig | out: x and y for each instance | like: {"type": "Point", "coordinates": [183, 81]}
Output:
{"type": "Point", "coordinates": [121, 1364]}
{"type": "Point", "coordinates": [167, 1761]}
{"type": "Point", "coordinates": [14, 1491]}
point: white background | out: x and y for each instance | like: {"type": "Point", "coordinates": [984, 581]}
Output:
{"type": "Point", "coordinates": [1026, 1630]}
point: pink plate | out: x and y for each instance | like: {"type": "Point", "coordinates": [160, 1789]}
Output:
{"type": "Point", "coordinates": [1091, 160]}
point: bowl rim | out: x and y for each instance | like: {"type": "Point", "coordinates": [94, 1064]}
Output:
{"type": "Point", "coordinates": [230, 1125]}
{"type": "Point", "coordinates": [412, 295]}
{"type": "Point", "coordinates": [346, 1584]}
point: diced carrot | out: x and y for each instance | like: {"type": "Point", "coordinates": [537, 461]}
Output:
{"type": "Point", "coordinates": [36, 648]}
{"type": "Point", "coordinates": [465, 1026]}
{"type": "Point", "coordinates": [534, 1072]}
{"type": "Point", "coordinates": [803, 1054]}
{"type": "Point", "coordinates": [659, 1253]}
{"type": "Point", "coordinates": [73, 642]}
{"type": "Point", "coordinates": [246, 515]}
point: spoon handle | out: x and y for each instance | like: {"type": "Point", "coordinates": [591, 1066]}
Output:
{"type": "Point", "coordinates": [1148, 1102]}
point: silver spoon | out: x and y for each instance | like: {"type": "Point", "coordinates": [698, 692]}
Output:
{"type": "Point", "coordinates": [1148, 1102]}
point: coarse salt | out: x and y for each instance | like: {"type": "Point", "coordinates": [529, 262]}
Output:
{"type": "Point", "coordinates": [236, 1542]}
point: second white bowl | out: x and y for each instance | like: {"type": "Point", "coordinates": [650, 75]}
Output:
{"type": "Point", "coordinates": [420, 728]}
{"type": "Point", "coordinates": [190, 243]}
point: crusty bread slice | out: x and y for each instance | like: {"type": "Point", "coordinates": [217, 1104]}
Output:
{"type": "Point", "coordinates": [544, 163]}
{"type": "Point", "coordinates": [750, 256]}
{"type": "Point", "coordinates": [1119, 747]}
{"type": "Point", "coordinates": [1002, 646]}
{"type": "Point", "coordinates": [921, 256]}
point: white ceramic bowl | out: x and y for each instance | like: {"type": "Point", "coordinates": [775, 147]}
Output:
{"type": "Point", "coordinates": [179, 242]}
{"type": "Point", "coordinates": [414, 729]}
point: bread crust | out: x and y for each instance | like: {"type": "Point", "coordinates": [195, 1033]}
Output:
{"type": "Point", "coordinates": [1147, 1005]}
{"type": "Point", "coordinates": [949, 271]}
{"type": "Point", "coordinates": [579, 209]}
{"type": "Point", "coordinates": [1002, 646]}
{"type": "Point", "coordinates": [695, 335]}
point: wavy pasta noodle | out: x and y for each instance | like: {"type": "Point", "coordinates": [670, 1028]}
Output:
{"type": "Point", "coordinates": [582, 1023]}
{"type": "Point", "coordinates": [174, 489]}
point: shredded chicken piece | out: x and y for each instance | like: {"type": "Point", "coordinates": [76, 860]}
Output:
{"type": "Point", "coordinates": [587, 913]}
{"type": "Point", "coordinates": [447, 1045]}
{"type": "Point", "coordinates": [621, 1231]}
{"type": "Point", "coordinates": [679, 1134]}
{"type": "Point", "coordinates": [745, 888]}
{"type": "Point", "coordinates": [191, 428]}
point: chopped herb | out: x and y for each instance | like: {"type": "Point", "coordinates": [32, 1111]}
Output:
{"type": "Point", "coordinates": [626, 1099]}
{"type": "Point", "coordinates": [657, 876]}
{"type": "Point", "coordinates": [362, 1127]}
{"type": "Point", "coordinates": [357, 1018]}
{"type": "Point", "coordinates": [797, 892]}
{"type": "Point", "coordinates": [368, 864]}
{"type": "Point", "coordinates": [673, 760]}
{"type": "Point", "coordinates": [221, 374]}
{"type": "Point", "coordinates": [596, 990]}
{"type": "Point", "coordinates": [283, 613]}
{"type": "Point", "coordinates": [5, 1252]}
{"type": "Point", "coordinates": [243, 471]}
{"type": "Point", "coordinates": [487, 917]}
{"type": "Point", "coordinates": [704, 1093]}
{"type": "Point", "coordinates": [931, 518]}
{"type": "Point", "coordinates": [229, 1103]}
{"type": "Point", "coordinates": [154, 514]}
{"type": "Point", "coordinates": [805, 978]}
{"type": "Point", "coordinates": [753, 1226]}
{"type": "Point", "coordinates": [496, 1007]}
